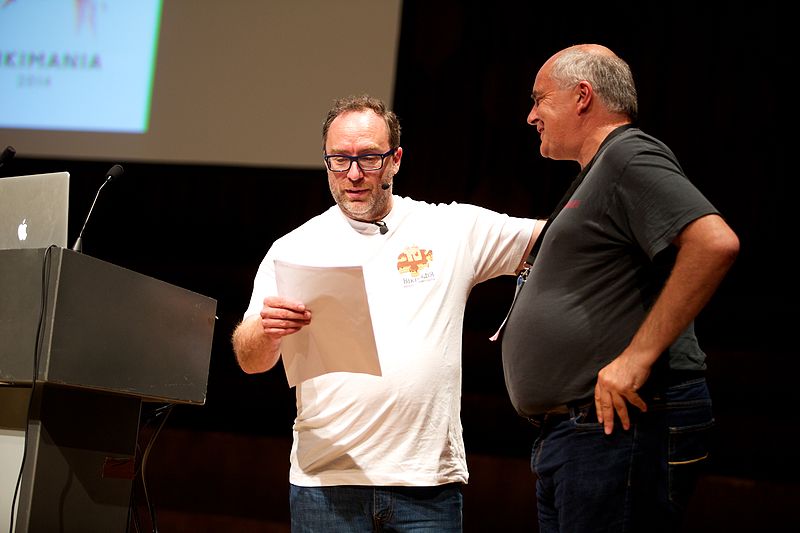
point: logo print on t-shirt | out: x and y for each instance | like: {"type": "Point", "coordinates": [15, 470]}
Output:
{"type": "Point", "coordinates": [414, 264]}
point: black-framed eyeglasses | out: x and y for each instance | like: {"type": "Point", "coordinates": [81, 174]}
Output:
{"type": "Point", "coordinates": [366, 162]}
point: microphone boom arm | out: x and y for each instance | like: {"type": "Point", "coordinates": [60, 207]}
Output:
{"type": "Point", "coordinates": [113, 172]}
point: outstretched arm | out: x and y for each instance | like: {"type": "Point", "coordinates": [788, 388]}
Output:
{"type": "Point", "coordinates": [707, 248]}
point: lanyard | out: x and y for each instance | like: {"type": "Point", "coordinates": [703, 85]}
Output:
{"type": "Point", "coordinates": [523, 275]}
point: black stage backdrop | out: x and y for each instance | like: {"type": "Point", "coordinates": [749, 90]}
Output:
{"type": "Point", "coordinates": [712, 84]}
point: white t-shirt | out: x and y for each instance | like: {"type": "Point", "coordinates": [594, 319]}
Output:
{"type": "Point", "coordinates": [403, 427]}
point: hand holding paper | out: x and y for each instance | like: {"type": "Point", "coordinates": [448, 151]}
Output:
{"type": "Point", "coordinates": [340, 336]}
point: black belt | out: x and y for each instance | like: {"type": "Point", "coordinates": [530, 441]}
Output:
{"type": "Point", "coordinates": [559, 413]}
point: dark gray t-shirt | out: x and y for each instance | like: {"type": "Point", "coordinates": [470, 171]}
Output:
{"type": "Point", "coordinates": [601, 265]}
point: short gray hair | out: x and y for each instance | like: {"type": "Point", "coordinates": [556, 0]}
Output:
{"type": "Point", "coordinates": [610, 77]}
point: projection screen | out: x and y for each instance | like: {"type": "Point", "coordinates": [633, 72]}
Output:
{"type": "Point", "coordinates": [239, 82]}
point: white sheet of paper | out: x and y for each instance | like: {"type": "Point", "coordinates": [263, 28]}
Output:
{"type": "Point", "coordinates": [340, 336]}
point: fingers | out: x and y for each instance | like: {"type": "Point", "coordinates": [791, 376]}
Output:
{"type": "Point", "coordinates": [622, 411]}
{"type": "Point", "coordinates": [616, 387]}
{"type": "Point", "coordinates": [278, 303]}
{"type": "Point", "coordinates": [637, 400]}
{"type": "Point", "coordinates": [283, 317]}
{"type": "Point", "coordinates": [604, 406]}
{"type": "Point", "coordinates": [608, 403]}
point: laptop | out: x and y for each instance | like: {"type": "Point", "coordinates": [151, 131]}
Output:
{"type": "Point", "coordinates": [34, 210]}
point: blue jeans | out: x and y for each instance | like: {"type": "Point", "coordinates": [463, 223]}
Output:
{"type": "Point", "coordinates": [363, 509]}
{"type": "Point", "coordinates": [635, 480]}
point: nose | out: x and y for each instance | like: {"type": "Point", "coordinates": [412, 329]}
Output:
{"type": "Point", "coordinates": [354, 173]}
{"type": "Point", "coordinates": [532, 116]}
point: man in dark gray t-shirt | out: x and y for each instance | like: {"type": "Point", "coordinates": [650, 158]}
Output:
{"type": "Point", "coordinates": [599, 350]}
{"type": "Point", "coordinates": [598, 272]}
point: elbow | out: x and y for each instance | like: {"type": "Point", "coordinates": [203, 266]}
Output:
{"type": "Point", "coordinates": [250, 369]}
{"type": "Point", "coordinates": [727, 246]}
{"type": "Point", "coordinates": [712, 237]}
{"type": "Point", "coordinates": [253, 362]}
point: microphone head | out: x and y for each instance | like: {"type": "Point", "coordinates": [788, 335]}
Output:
{"type": "Point", "coordinates": [115, 172]}
{"type": "Point", "coordinates": [7, 154]}
{"type": "Point", "coordinates": [385, 185]}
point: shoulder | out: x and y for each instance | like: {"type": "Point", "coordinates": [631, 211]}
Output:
{"type": "Point", "coordinates": [635, 142]}
{"type": "Point", "coordinates": [469, 221]}
{"type": "Point", "coordinates": [451, 209]}
{"type": "Point", "coordinates": [637, 152]}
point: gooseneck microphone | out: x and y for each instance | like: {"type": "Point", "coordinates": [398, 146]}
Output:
{"type": "Point", "coordinates": [114, 172]}
{"type": "Point", "coordinates": [7, 155]}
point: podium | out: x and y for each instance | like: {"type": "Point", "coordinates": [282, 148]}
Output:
{"type": "Point", "coordinates": [82, 344]}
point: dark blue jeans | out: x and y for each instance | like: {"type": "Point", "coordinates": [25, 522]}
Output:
{"type": "Point", "coordinates": [638, 480]}
{"type": "Point", "coordinates": [357, 509]}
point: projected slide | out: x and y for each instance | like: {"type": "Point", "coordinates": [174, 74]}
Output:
{"type": "Point", "coordinates": [235, 82]}
{"type": "Point", "coordinates": [81, 65]}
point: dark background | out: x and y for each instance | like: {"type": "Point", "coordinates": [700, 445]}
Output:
{"type": "Point", "coordinates": [713, 84]}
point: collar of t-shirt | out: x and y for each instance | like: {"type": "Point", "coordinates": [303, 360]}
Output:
{"type": "Point", "coordinates": [372, 228]}
{"type": "Point", "coordinates": [573, 186]}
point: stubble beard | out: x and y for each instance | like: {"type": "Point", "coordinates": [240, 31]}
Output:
{"type": "Point", "coordinates": [373, 208]}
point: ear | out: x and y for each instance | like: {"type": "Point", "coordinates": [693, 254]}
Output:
{"type": "Point", "coordinates": [396, 157]}
{"type": "Point", "coordinates": [585, 95]}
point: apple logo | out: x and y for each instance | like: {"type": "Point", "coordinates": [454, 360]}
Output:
{"type": "Point", "coordinates": [22, 230]}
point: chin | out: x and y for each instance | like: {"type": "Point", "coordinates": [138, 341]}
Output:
{"type": "Point", "coordinates": [354, 210]}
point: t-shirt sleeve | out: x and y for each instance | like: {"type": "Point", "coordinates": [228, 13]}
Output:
{"type": "Point", "coordinates": [263, 284]}
{"type": "Point", "coordinates": [658, 200]}
{"type": "Point", "coordinates": [497, 242]}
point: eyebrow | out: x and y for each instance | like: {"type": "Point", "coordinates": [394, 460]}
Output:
{"type": "Point", "coordinates": [373, 149]}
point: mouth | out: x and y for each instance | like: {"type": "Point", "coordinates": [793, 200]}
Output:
{"type": "Point", "coordinates": [356, 194]}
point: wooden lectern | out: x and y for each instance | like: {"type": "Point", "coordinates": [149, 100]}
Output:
{"type": "Point", "coordinates": [82, 344]}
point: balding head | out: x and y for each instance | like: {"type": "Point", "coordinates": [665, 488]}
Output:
{"type": "Point", "coordinates": [593, 49]}
{"type": "Point", "coordinates": [610, 76]}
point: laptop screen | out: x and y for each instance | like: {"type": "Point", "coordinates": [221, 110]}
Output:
{"type": "Point", "coordinates": [34, 210]}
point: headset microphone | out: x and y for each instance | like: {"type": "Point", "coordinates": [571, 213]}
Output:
{"type": "Point", "coordinates": [382, 227]}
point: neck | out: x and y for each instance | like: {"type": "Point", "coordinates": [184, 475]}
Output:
{"type": "Point", "coordinates": [593, 141]}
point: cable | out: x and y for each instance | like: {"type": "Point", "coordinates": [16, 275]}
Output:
{"type": "Point", "coordinates": [133, 516]}
{"type": "Point", "coordinates": [36, 355]}
{"type": "Point", "coordinates": [164, 410]}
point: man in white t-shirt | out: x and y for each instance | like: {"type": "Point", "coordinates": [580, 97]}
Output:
{"type": "Point", "coordinates": [382, 451]}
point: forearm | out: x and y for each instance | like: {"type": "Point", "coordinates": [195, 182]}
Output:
{"type": "Point", "coordinates": [707, 249]}
{"type": "Point", "coordinates": [255, 350]}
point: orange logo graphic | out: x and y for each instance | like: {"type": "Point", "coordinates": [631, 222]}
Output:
{"type": "Point", "coordinates": [414, 259]}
